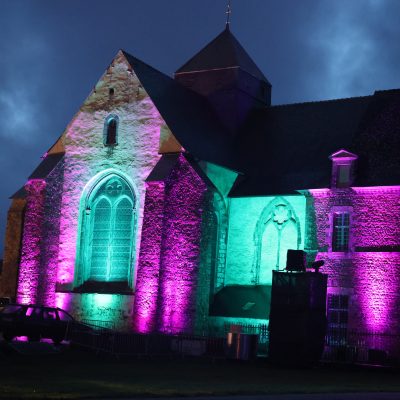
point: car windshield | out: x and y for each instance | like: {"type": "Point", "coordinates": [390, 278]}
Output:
{"type": "Point", "coordinates": [64, 316]}
{"type": "Point", "coordinates": [12, 309]}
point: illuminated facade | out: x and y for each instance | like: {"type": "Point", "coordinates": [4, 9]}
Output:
{"type": "Point", "coordinates": [167, 203]}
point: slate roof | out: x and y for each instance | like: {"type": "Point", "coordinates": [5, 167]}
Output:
{"type": "Point", "coordinates": [377, 142]}
{"type": "Point", "coordinates": [224, 51]}
{"type": "Point", "coordinates": [168, 161]}
{"type": "Point", "coordinates": [242, 301]}
{"type": "Point", "coordinates": [46, 166]}
{"type": "Point", "coordinates": [41, 172]}
{"type": "Point", "coordinates": [279, 149]}
{"type": "Point", "coordinates": [19, 194]}
{"type": "Point", "coordinates": [188, 115]}
{"type": "Point", "coordinates": [284, 148]}
{"type": "Point", "coordinates": [163, 167]}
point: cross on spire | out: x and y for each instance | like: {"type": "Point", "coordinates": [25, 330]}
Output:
{"type": "Point", "coordinates": [228, 14]}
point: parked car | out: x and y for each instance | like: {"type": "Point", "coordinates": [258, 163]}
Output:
{"type": "Point", "coordinates": [35, 322]}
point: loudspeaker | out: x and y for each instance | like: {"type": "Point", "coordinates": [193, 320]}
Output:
{"type": "Point", "coordinates": [296, 261]}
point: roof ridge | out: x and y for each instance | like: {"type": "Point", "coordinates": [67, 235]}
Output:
{"type": "Point", "coordinates": [180, 69]}
{"type": "Point", "coordinates": [320, 101]}
{"type": "Point", "coordinates": [386, 90]}
{"type": "Point", "coordinates": [128, 55]}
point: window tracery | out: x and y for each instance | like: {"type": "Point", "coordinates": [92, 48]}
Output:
{"type": "Point", "coordinates": [277, 230]}
{"type": "Point", "coordinates": [107, 232]}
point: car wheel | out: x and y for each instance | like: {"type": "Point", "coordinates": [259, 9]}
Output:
{"type": "Point", "coordinates": [34, 338]}
{"type": "Point", "coordinates": [8, 336]}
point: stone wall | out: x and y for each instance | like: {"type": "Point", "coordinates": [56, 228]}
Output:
{"type": "Point", "coordinates": [147, 284]}
{"type": "Point", "coordinates": [50, 254]}
{"type": "Point", "coordinates": [169, 304]}
{"type": "Point", "coordinates": [253, 236]}
{"type": "Point", "coordinates": [50, 236]}
{"type": "Point", "coordinates": [212, 269]}
{"type": "Point", "coordinates": [31, 257]}
{"type": "Point", "coordinates": [369, 273]}
{"type": "Point", "coordinates": [40, 239]}
{"type": "Point", "coordinates": [12, 248]}
{"type": "Point", "coordinates": [87, 159]}
{"type": "Point", "coordinates": [180, 248]}
{"type": "Point", "coordinates": [113, 311]}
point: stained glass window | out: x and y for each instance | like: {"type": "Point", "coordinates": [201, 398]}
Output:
{"type": "Point", "coordinates": [109, 229]}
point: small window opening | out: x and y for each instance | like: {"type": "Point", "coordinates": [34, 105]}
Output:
{"type": "Point", "coordinates": [110, 136]}
{"type": "Point", "coordinates": [111, 132]}
{"type": "Point", "coordinates": [111, 92]}
{"type": "Point", "coordinates": [341, 231]}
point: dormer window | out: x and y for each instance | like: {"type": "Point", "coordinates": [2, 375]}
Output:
{"type": "Point", "coordinates": [111, 131]}
{"type": "Point", "coordinates": [343, 175]}
{"type": "Point", "coordinates": [342, 168]}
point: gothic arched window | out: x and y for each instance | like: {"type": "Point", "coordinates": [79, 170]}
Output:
{"type": "Point", "coordinates": [111, 131]}
{"type": "Point", "coordinates": [277, 231]}
{"type": "Point", "coordinates": [107, 234]}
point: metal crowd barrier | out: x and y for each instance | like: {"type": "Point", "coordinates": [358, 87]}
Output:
{"type": "Point", "coordinates": [373, 348]}
{"type": "Point", "coordinates": [119, 344]}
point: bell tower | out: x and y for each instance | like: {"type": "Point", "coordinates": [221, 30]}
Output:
{"type": "Point", "coordinates": [224, 73]}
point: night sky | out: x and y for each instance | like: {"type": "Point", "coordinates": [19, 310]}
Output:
{"type": "Point", "coordinates": [52, 53]}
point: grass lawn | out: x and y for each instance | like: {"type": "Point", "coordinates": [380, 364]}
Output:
{"type": "Point", "coordinates": [75, 374]}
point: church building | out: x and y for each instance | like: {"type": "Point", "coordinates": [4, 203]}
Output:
{"type": "Point", "coordinates": [166, 203]}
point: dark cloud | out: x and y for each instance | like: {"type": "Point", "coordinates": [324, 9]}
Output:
{"type": "Point", "coordinates": [52, 52]}
{"type": "Point", "coordinates": [351, 41]}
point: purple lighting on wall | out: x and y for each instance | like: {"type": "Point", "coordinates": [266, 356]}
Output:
{"type": "Point", "coordinates": [371, 267]}
{"type": "Point", "coordinates": [170, 249]}
{"type": "Point", "coordinates": [63, 301]}
{"type": "Point", "coordinates": [29, 269]}
{"type": "Point", "coordinates": [147, 282]}
{"type": "Point", "coordinates": [377, 278]}
{"type": "Point", "coordinates": [181, 248]}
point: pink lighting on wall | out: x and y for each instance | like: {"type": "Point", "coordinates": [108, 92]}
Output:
{"type": "Point", "coordinates": [63, 300]}
{"type": "Point", "coordinates": [29, 269]}
{"type": "Point", "coordinates": [374, 189]}
{"type": "Point", "coordinates": [167, 276]}
{"type": "Point", "coordinates": [371, 269]}
{"type": "Point", "coordinates": [147, 282]}
{"type": "Point", "coordinates": [378, 284]}
{"type": "Point", "coordinates": [180, 248]}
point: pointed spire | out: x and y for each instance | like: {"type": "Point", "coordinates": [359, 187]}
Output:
{"type": "Point", "coordinates": [228, 14]}
{"type": "Point", "coordinates": [222, 52]}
